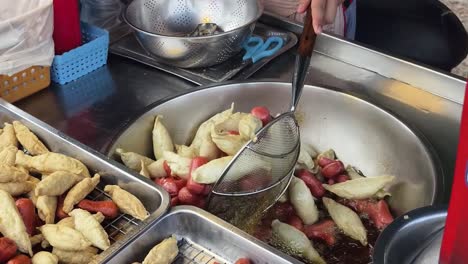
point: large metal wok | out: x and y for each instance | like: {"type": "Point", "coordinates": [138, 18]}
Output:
{"type": "Point", "coordinates": [361, 134]}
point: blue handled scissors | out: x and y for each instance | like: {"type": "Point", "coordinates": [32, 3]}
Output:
{"type": "Point", "coordinates": [258, 49]}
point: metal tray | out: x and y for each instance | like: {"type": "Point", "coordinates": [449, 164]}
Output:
{"type": "Point", "coordinates": [203, 239]}
{"type": "Point", "coordinates": [124, 227]}
{"type": "Point", "coordinates": [233, 69]}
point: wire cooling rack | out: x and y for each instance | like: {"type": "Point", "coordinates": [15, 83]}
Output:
{"type": "Point", "coordinates": [191, 253]}
{"type": "Point", "coordinates": [118, 227]}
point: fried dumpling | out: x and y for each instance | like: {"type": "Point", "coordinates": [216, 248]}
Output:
{"type": "Point", "coordinates": [184, 151]}
{"type": "Point", "coordinates": [161, 138]}
{"type": "Point", "coordinates": [57, 183]}
{"type": "Point", "coordinates": [144, 171]}
{"type": "Point", "coordinates": [133, 160]}
{"type": "Point", "coordinates": [8, 137]}
{"type": "Point", "coordinates": [9, 173]}
{"type": "Point", "coordinates": [204, 130]}
{"type": "Point", "coordinates": [208, 149]}
{"type": "Point", "coordinates": [180, 166]}
{"type": "Point", "coordinates": [249, 125]}
{"type": "Point", "coordinates": [228, 142]}
{"type": "Point", "coordinates": [17, 188]}
{"type": "Point", "coordinates": [64, 237]}
{"type": "Point", "coordinates": [75, 256]}
{"type": "Point", "coordinates": [127, 202]}
{"type": "Point", "coordinates": [360, 188]}
{"type": "Point", "coordinates": [79, 192]}
{"type": "Point", "coordinates": [90, 228]}
{"type": "Point", "coordinates": [28, 140]}
{"type": "Point", "coordinates": [44, 257]}
{"type": "Point", "coordinates": [292, 240]}
{"type": "Point", "coordinates": [303, 202]}
{"type": "Point", "coordinates": [46, 208]}
{"type": "Point", "coordinates": [163, 253]}
{"type": "Point", "coordinates": [347, 220]}
{"type": "Point", "coordinates": [305, 158]}
{"type": "Point", "coordinates": [8, 155]}
{"type": "Point", "coordinates": [12, 225]}
{"type": "Point", "coordinates": [51, 162]}
{"type": "Point", "coordinates": [210, 172]}
{"type": "Point", "coordinates": [156, 169]}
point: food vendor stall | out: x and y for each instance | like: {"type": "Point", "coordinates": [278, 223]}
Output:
{"type": "Point", "coordinates": [383, 115]}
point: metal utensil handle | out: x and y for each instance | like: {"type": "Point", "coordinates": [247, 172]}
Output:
{"type": "Point", "coordinates": [304, 51]}
{"type": "Point", "coordinates": [308, 36]}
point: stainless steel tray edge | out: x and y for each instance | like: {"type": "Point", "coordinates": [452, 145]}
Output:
{"type": "Point", "coordinates": [111, 171]}
{"type": "Point", "coordinates": [269, 254]}
{"type": "Point", "coordinates": [437, 82]}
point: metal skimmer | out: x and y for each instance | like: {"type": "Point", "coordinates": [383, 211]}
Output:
{"type": "Point", "coordinates": [261, 171]}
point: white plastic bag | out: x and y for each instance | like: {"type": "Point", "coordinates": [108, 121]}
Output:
{"type": "Point", "coordinates": [26, 28]}
{"type": "Point", "coordinates": [102, 13]}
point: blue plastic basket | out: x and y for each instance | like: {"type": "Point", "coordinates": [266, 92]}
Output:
{"type": "Point", "coordinates": [86, 58]}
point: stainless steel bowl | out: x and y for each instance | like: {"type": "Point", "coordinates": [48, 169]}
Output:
{"type": "Point", "coordinates": [361, 133]}
{"type": "Point", "coordinates": [161, 26]}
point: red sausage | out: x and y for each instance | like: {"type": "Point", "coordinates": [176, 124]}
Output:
{"type": "Point", "coordinates": [20, 259]}
{"type": "Point", "coordinates": [194, 187]}
{"type": "Point", "coordinates": [207, 190]}
{"type": "Point", "coordinates": [167, 169]}
{"type": "Point", "coordinates": [324, 161]}
{"type": "Point", "coordinates": [27, 211]}
{"type": "Point", "coordinates": [333, 169]}
{"type": "Point", "coordinates": [60, 214]}
{"type": "Point", "coordinates": [378, 211]}
{"type": "Point", "coordinates": [295, 221]}
{"type": "Point", "coordinates": [181, 183]}
{"type": "Point", "coordinates": [342, 178]}
{"type": "Point", "coordinates": [324, 230]}
{"type": "Point", "coordinates": [188, 198]}
{"type": "Point", "coordinates": [314, 185]}
{"type": "Point", "coordinates": [282, 211]}
{"type": "Point", "coordinates": [263, 233]}
{"type": "Point", "coordinates": [262, 113]}
{"type": "Point", "coordinates": [243, 261]}
{"type": "Point", "coordinates": [233, 132]}
{"type": "Point", "coordinates": [108, 208]}
{"type": "Point", "coordinates": [169, 185]}
{"type": "Point", "coordinates": [7, 249]}
{"type": "Point", "coordinates": [255, 182]}
{"type": "Point", "coordinates": [174, 201]}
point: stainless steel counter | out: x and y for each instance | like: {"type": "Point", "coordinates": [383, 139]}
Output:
{"type": "Point", "coordinates": [94, 108]}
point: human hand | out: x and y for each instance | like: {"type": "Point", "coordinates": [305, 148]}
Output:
{"type": "Point", "coordinates": [323, 12]}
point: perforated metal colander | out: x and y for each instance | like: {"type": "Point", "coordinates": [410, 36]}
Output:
{"type": "Point", "coordinates": [162, 26]}
{"type": "Point", "coordinates": [258, 175]}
